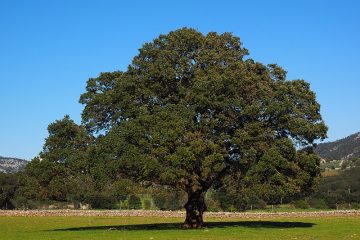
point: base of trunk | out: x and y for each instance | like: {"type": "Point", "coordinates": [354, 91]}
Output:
{"type": "Point", "coordinates": [195, 208]}
{"type": "Point", "coordinates": [193, 226]}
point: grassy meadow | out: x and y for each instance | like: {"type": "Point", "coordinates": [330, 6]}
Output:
{"type": "Point", "coordinates": [153, 228]}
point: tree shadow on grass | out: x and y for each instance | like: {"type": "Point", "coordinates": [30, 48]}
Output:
{"type": "Point", "coordinates": [209, 225]}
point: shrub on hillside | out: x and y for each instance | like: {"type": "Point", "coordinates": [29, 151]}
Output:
{"type": "Point", "coordinates": [101, 201]}
{"type": "Point", "coordinates": [318, 203]}
{"type": "Point", "coordinates": [134, 202]}
{"type": "Point", "coordinates": [169, 200]}
{"type": "Point", "coordinates": [302, 204]}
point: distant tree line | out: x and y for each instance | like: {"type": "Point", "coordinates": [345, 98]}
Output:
{"type": "Point", "coordinates": [340, 191]}
{"type": "Point", "coordinates": [25, 191]}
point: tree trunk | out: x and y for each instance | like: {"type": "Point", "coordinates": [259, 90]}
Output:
{"type": "Point", "coordinates": [195, 207]}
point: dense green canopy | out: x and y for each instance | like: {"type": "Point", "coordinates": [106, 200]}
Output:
{"type": "Point", "coordinates": [193, 108]}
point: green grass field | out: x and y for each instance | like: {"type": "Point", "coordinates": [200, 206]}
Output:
{"type": "Point", "coordinates": [152, 228]}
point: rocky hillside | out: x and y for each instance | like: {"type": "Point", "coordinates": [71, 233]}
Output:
{"type": "Point", "coordinates": [11, 165]}
{"type": "Point", "coordinates": [343, 149]}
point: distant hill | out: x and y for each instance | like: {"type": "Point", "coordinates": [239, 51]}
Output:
{"type": "Point", "coordinates": [343, 149]}
{"type": "Point", "coordinates": [12, 165]}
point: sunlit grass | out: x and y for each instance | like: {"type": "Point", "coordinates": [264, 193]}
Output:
{"type": "Point", "coordinates": [37, 228]}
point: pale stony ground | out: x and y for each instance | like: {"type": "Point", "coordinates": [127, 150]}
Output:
{"type": "Point", "coordinates": [180, 214]}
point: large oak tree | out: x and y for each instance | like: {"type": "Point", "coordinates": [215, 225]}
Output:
{"type": "Point", "coordinates": [193, 111]}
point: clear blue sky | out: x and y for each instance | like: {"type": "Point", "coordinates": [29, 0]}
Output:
{"type": "Point", "coordinates": [48, 50]}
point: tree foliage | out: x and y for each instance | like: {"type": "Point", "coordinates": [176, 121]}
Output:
{"type": "Point", "coordinates": [8, 186]}
{"type": "Point", "coordinates": [61, 166]}
{"type": "Point", "coordinates": [193, 111]}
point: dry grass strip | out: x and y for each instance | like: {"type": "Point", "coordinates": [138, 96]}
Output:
{"type": "Point", "coordinates": [180, 214]}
